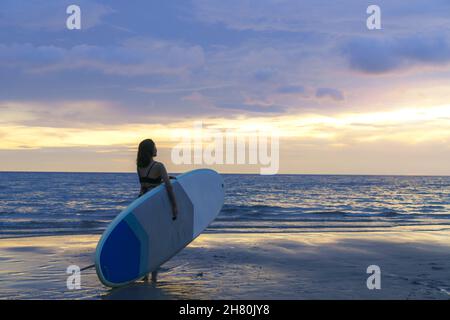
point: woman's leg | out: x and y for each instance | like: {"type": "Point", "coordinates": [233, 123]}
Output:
{"type": "Point", "coordinates": [154, 276]}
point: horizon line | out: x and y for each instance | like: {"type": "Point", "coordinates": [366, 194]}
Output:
{"type": "Point", "coordinates": [241, 173]}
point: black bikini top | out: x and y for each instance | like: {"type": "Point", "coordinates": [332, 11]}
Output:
{"type": "Point", "coordinates": [146, 179]}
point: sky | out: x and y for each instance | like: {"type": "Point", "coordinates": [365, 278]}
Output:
{"type": "Point", "coordinates": [342, 99]}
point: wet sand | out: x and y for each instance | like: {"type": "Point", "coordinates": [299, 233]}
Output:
{"type": "Point", "coordinates": [331, 265]}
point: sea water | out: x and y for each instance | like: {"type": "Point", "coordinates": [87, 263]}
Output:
{"type": "Point", "coordinates": [37, 204]}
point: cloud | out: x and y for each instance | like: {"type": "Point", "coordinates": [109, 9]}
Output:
{"type": "Point", "coordinates": [198, 99]}
{"type": "Point", "coordinates": [134, 57]}
{"type": "Point", "coordinates": [319, 16]}
{"type": "Point", "coordinates": [276, 15]}
{"type": "Point", "coordinates": [225, 51]}
{"type": "Point", "coordinates": [407, 126]}
{"type": "Point", "coordinates": [180, 89]}
{"type": "Point", "coordinates": [49, 15]}
{"type": "Point", "coordinates": [290, 89]}
{"type": "Point", "coordinates": [264, 74]}
{"type": "Point", "coordinates": [330, 93]}
{"type": "Point", "coordinates": [253, 107]}
{"type": "Point", "coordinates": [26, 55]}
{"type": "Point", "coordinates": [60, 114]}
{"type": "Point", "coordinates": [381, 55]}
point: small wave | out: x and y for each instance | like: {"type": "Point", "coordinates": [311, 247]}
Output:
{"type": "Point", "coordinates": [330, 213]}
{"type": "Point", "coordinates": [86, 203]}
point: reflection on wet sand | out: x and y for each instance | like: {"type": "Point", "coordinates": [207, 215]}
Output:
{"type": "Point", "coordinates": [146, 291]}
{"type": "Point", "coordinates": [414, 264]}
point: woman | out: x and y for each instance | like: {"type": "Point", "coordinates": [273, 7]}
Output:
{"type": "Point", "coordinates": [152, 174]}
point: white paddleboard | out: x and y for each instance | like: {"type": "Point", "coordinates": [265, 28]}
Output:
{"type": "Point", "coordinates": [144, 236]}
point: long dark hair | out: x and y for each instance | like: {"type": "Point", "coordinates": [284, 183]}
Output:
{"type": "Point", "coordinates": [145, 153]}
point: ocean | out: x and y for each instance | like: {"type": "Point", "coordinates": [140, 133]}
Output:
{"type": "Point", "coordinates": [39, 204]}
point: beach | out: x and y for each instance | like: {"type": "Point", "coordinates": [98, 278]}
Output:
{"type": "Point", "coordinates": [414, 264]}
{"type": "Point", "coordinates": [277, 237]}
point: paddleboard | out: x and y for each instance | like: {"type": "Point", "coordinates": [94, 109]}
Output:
{"type": "Point", "coordinates": [144, 236]}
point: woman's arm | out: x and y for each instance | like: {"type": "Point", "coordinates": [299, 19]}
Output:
{"type": "Point", "coordinates": [166, 180]}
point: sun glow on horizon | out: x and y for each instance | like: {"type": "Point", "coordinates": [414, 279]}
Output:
{"type": "Point", "coordinates": [405, 125]}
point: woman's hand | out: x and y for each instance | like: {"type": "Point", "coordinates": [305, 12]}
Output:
{"type": "Point", "coordinates": [174, 213]}
{"type": "Point", "coordinates": [169, 189]}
